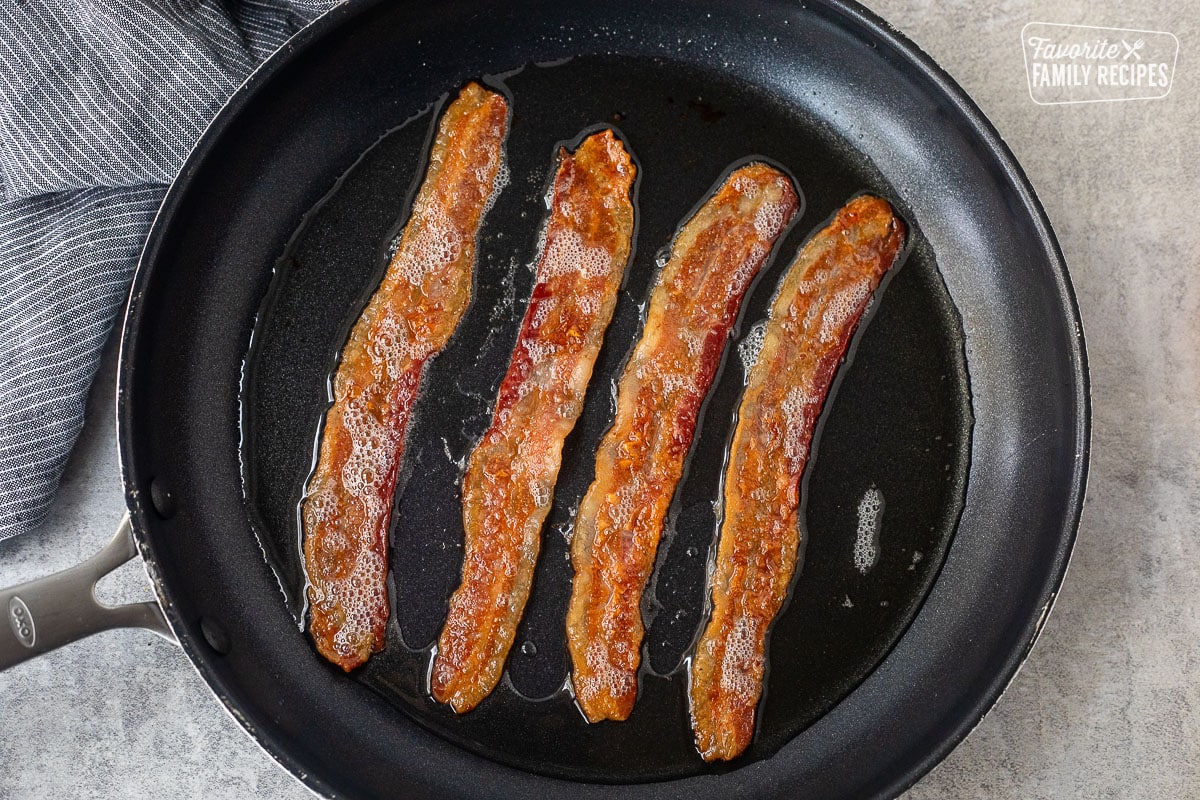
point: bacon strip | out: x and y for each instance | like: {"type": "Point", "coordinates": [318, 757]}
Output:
{"type": "Point", "coordinates": [510, 480]}
{"type": "Point", "coordinates": [713, 260]}
{"type": "Point", "coordinates": [410, 317]}
{"type": "Point", "coordinates": [811, 322]}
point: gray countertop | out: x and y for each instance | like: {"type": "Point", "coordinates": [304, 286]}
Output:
{"type": "Point", "coordinates": [1108, 704]}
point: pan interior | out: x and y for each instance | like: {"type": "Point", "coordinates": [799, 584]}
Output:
{"type": "Point", "coordinates": [896, 427]}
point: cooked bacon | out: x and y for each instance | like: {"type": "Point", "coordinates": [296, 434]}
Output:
{"type": "Point", "coordinates": [409, 319]}
{"type": "Point", "coordinates": [692, 309]}
{"type": "Point", "coordinates": [811, 322]}
{"type": "Point", "coordinates": [510, 478]}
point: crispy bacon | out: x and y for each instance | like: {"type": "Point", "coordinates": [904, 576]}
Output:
{"type": "Point", "coordinates": [692, 309]}
{"type": "Point", "coordinates": [811, 322]}
{"type": "Point", "coordinates": [410, 317]}
{"type": "Point", "coordinates": [510, 479]}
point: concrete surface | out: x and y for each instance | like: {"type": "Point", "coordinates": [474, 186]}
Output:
{"type": "Point", "coordinates": [1108, 705]}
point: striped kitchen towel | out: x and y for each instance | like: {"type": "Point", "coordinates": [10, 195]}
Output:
{"type": "Point", "coordinates": [100, 102]}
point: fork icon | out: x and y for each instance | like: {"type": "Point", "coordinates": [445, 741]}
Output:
{"type": "Point", "coordinates": [1132, 49]}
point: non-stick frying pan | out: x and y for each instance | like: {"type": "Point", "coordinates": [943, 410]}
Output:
{"type": "Point", "coordinates": [963, 403]}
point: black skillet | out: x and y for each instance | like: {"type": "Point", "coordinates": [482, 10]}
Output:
{"type": "Point", "coordinates": [963, 404]}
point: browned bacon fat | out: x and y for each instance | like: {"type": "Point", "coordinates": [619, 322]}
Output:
{"type": "Point", "coordinates": [409, 319]}
{"type": "Point", "coordinates": [810, 324]}
{"type": "Point", "coordinates": [511, 475]}
{"type": "Point", "coordinates": [693, 306]}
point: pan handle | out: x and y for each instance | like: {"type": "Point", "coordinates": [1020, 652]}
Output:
{"type": "Point", "coordinates": [61, 608]}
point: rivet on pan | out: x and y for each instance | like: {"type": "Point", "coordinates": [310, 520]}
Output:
{"type": "Point", "coordinates": [215, 635]}
{"type": "Point", "coordinates": [162, 499]}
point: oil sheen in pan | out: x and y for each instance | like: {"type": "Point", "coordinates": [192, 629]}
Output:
{"type": "Point", "coordinates": [899, 421]}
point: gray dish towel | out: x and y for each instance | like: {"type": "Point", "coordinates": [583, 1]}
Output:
{"type": "Point", "coordinates": [100, 102]}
